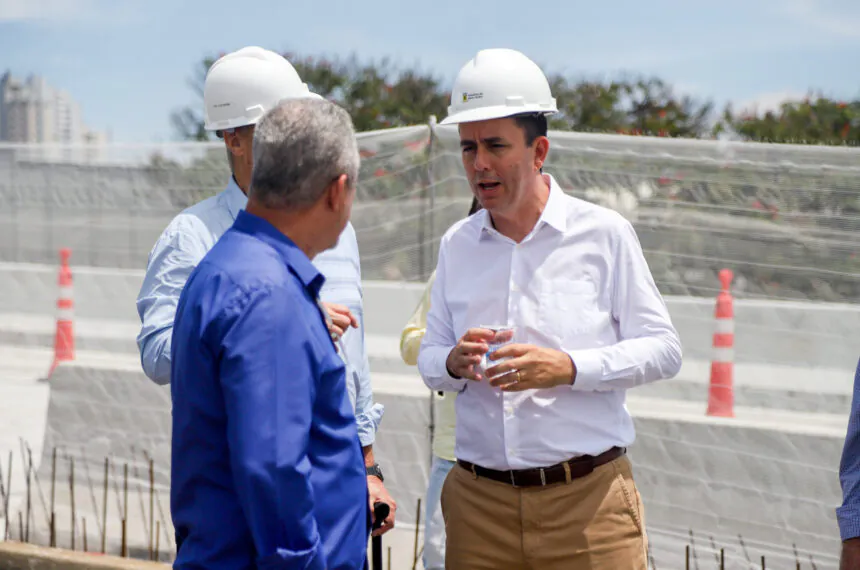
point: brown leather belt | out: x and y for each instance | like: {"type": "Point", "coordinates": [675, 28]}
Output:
{"type": "Point", "coordinates": [563, 472]}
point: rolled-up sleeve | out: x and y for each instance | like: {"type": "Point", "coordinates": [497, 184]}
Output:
{"type": "Point", "coordinates": [650, 348]}
{"type": "Point", "coordinates": [439, 337]}
{"type": "Point", "coordinates": [848, 514]}
{"type": "Point", "coordinates": [173, 258]}
{"type": "Point", "coordinates": [265, 372]}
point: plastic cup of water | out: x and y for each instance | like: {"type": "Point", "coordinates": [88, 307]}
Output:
{"type": "Point", "coordinates": [503, 335]}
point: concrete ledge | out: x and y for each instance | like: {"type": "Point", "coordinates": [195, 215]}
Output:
{"type": "Point", "coordinates": [767, 332]}
{"type": "Point", "coordinates": [17, 338]}
{"type": "Point", "coordinates": [779, 386]}
{"type": "Point", "coordinates": [767, 474]}
{"type": "Point", "coordinates": [17, 556]}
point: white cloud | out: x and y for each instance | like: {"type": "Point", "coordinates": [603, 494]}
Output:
{"type": "Point", "coordinates": [89, 11]}
{"type": "Point", "coordinates": [842, 20]}
{"type": "Point", "coordinates": [767, 101]}
{"type": "Point", "coordinates": [646, 57]}
{"type": "Point", "coordinates": [690, 89]}
{"type": "Point", "coordinates": [42, 9]}
{"type": "Point", "coordinates": [636, 58]}
{"type": "Point", "coordinates": [814, 24]}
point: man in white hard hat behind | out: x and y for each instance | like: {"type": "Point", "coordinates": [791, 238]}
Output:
{"type": "Point", "coordinates": [542, 478]}
{"type": "Point", "coordinates": [240, 88]}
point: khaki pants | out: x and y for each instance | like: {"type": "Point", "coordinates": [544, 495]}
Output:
{"type": "Point", "coordinates": [593, 523]}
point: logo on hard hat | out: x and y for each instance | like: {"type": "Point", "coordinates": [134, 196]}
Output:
{"type": "Point", "coordinates": [471, 96]}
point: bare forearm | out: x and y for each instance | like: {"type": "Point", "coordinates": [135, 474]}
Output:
{"type": "Point", "coordinates": [850, 555]}
{"type": "Point", "coordinates": [369, 461]}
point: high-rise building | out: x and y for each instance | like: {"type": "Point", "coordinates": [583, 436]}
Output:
{"type": "Point", "coordinates": [31, 111]}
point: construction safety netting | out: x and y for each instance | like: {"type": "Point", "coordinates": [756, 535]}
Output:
{"type": "Point", "coordinates": [784, 219]}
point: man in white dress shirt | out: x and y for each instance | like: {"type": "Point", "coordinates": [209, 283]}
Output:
{"type": "Point", "coordinates": [542, 480]}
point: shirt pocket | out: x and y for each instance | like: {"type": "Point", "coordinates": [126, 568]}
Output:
{"type": "Point", "coordinates": [568, 308]}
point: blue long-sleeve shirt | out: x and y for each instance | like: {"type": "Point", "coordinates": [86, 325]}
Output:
{"type": "Point", "coordinates": [181, 247]}
{"type": "Point", "coordinates": [848, 514]}
{"type": "Point", "coordinates": [267, 470]}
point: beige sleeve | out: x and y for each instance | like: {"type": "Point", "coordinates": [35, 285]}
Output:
{"type": "Point", "coordinates": [413, 332]}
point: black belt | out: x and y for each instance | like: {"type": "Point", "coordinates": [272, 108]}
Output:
{"type": "Point", "coordinates": [563, 472]}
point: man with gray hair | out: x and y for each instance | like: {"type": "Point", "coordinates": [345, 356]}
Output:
{"type": "Point", "coordinates": [240, 88]}
{"type": "Point", "coordinates": [267, 468]}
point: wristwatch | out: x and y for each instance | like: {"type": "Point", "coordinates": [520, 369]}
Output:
{"type": "Point", "coordinates": [375, 471]}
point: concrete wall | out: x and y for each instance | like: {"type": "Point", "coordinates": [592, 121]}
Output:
{"type": "Point", "coordinates": [99, 413]}
{"type": "Point", "coordinates": [96, 413]}
{"type": "Point", "coordinates": [774, 485]}
{"type": "Point", "coordinates": [768, 485]}
{"type": "Point", "coordinates": [99, 293]}
{"type": "Point", "coordinates": [807, 335]}
{"type": "Point", "coordinates": [777, 332]}
{"type": "Point", "coordinates": [773, 481]}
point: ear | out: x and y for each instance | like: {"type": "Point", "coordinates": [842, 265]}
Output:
{"type": "Point", "coordinates": [337, 194]}
{"type": "Point", "coordinates": [541, 145]}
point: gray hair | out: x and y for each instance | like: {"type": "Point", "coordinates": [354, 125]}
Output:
{"type": "Point", "coordinates": [300, 147]}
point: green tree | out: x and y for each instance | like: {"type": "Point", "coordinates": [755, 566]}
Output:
{"type": "Point", "coordinates": [638, 106]}
{"type": "Point", "coordinates": [590, 106]}
{"type": "Point", "coordinates": [188, 121]}
{"type": "Point", "coordinates": [380, 95]}
{"type": "Point", "coordinates": [654, 108]}
{"type": "Point", "coordinates": [814, 120]}
{"type": "Point", "coordinates": [377, 94]}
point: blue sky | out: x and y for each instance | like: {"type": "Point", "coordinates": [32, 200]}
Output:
{"type": "Point", "coordinates": [128, 61]}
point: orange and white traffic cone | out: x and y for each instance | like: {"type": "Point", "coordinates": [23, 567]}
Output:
{"type": "Point", "coordinates": [721, 398]}
{"type": "Point", "coordinates": [64, 341]}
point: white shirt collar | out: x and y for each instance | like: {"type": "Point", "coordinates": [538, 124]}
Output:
{"type": "Point", "coordinates": [554, 213]}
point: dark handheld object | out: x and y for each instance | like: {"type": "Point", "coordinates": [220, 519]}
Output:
{"type": "Point", "coordinates": [380, 512]}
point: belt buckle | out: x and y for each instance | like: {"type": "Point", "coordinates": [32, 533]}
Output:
{"type": "Point", "coordinates": [513, 480]}
{"type": "Point", "coordinates": [542, 477]}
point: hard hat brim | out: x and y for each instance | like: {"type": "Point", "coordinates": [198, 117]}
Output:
{"type": "Point", "coordinates": [237, 123]}
{"type": "Point", "coordinates": [495, 112]}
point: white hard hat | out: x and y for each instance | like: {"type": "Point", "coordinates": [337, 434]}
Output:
{"type": "Point", "coordinates": [243, 85]}
{"type": "Point", "coordinates": [499, 83]}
